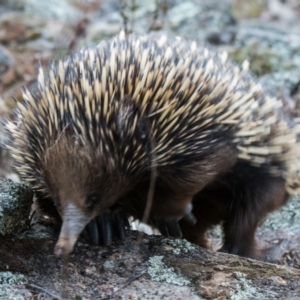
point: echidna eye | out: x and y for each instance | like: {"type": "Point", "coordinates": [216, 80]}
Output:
{"type": "Point", "coordinates": [92, 200]}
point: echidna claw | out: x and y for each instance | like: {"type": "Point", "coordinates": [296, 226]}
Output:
{"type": "Point", "coordinates": [85, 234]}
{"type": "Point", "coordinates": [105, 224]}
{"type": "Point", "coordinates": [169, 228]}
{"type": "Point", "coordinates": [121, 222]}
{"type": "Point", "coordinates": [189, 216]}
{"type": "Point", "coordinates": [93, 232]}
{"type": "Point", "coordinates": [174, 228]}
{"type": "Point", "coordinates": [162, 227]}
{"type": "Point", "coordinates": [101, 230]}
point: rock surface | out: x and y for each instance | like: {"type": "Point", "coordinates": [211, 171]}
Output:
{"type": "Point", "coordinates": [143, 267]}
{"type": "Point", "coordinates": [146, 267]}
{"type": "Point", "coordinates": [15, 204]}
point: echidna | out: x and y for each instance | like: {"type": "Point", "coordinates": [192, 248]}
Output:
{"type": "Point", "coordinates": [92, 133]}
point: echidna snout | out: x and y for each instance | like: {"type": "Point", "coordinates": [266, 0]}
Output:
{"type": "Point", "coordinates": [74, 221]}
{"type": "Point", "coordinates": [63, 247]}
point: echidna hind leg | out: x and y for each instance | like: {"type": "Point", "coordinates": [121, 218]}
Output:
{"type": "Point", "coordinates": [239, 200]}
{"type": "Point", "coordinates": [240, 240]}
{"type": "Point", "coordinates": [254, 195]}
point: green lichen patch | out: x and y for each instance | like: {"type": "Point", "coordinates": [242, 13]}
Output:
{"type": "Point", "coordinates": [109, 264]}
{"type": "Point", "coordinates": [15, 204]}
{"type": "Point", "coordinates": [12, 286]}
{"type": "Point", "coordinates": [262, 60]}
{"type": "Point", "coordinates": [243, 288]}
{"type": "Point", "coordinates": [160, 272]}
{"type": "Point", "coordinates": [179, 245]}
{"type": "Point", "coordinates": [248, 9]}
{"type": "Point", "coordinates": [12, 278]}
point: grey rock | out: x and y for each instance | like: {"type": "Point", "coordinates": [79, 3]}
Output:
{"type": "Point", "coordinates": [15, 204]}
{"type": "Point", "coordinates": [54, 9]}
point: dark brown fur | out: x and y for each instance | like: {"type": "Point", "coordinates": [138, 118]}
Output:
{"type": "Point", "coordinates": [238, 199]}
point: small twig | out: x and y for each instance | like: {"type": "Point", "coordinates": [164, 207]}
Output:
{"type": "Point", "coordinates": [45, 291]}
{"type": "Point", "coordinates": [151, 191]}
{"type": "Point", "coordinates": [122, 4]}
{"type": "Point", "coordinates": [65, 277]}
{"type": "Point", "coordinates": [129, 281]}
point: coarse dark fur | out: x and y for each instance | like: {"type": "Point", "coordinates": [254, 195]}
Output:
{"type": "Point", "coordinates": [238, 199]}
{"type": "Point", "coordinates": [108, 117]}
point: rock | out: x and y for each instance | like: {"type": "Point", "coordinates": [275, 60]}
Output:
{"type": "Point", "coordinates": [15, 27]}
{"type": "Point", "coordinates": [54, 9]}
{"type": "Point", "coordinates": [143, 267]}
{"type": "Point", "coordinates": [15, 204]}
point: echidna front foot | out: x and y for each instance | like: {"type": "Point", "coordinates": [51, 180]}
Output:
{"type": "Point", "coordinates": [168, 228]}
{"type": "Point", "coordinates": [171, 228]}
{"type": "Point", "coordinates": [102, 229]}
